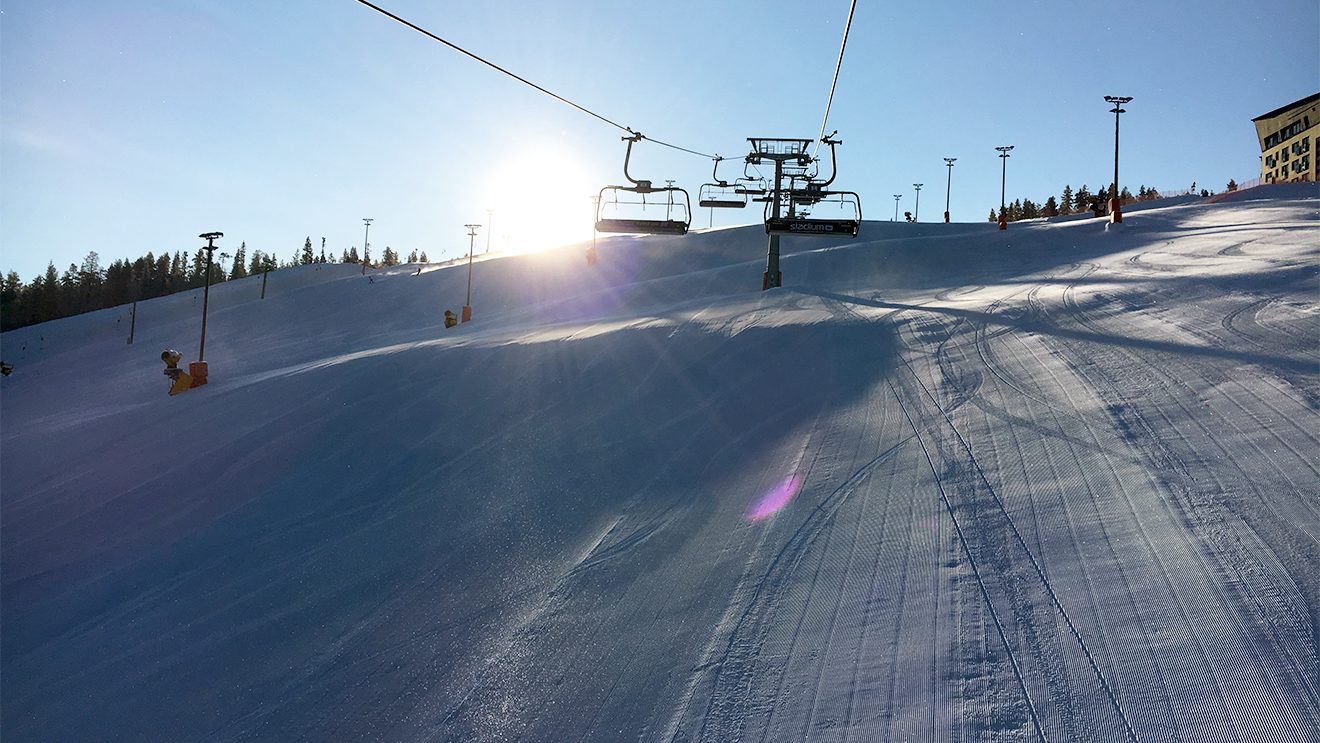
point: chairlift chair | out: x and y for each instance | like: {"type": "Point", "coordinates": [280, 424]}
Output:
{"type": "Point", "coordinates": [720, 194]}
{"type": "Point", "coordinates": [844, 207]}
{"type": "Point", "coordinates": [804, 204]}
{"type": "Point", "coordinates": [625, 200]}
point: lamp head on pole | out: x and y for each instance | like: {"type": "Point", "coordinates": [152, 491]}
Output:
{"type": "Point", "coordinates": [1003, 151]}
{"type": "Point", "coordinates": [950, 161]}
{"type": "Point", "coordinates": [210, 238]}
{"type": "Point", "coordinates": [1118, 102]}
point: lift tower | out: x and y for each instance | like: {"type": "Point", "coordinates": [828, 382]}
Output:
{"type": "Point", "coordinates": [790, 158]}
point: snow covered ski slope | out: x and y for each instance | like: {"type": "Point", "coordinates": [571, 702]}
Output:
{"type": "Point", "coordinates": [1057, 483]}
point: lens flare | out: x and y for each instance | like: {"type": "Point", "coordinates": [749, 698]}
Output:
{"type": "Point", "coordinates": [773, 501]}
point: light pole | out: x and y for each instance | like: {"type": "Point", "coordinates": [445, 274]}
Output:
{"type": "Point", "coordinates": [467, 306]}
{"type": "Point", "coordinates": [1115, 213]}
{"type": "Point", "coordinates": [367, 232]}
{"type": "Point", "coordinates": [490, 227]}
{"type": "Point", "coordinates": [897, 197]}
{"type": "Point", "coordinates": [198, 370]}
{"type": "Point", "coordinates": [948, 187]}
{"type": "Point", "coordinates": [916, 210]}
{"type": "Point", "coordinates": [1003, 180]}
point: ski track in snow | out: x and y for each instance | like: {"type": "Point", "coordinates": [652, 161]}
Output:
{"type": "Point", "coordinates": [1053, 484]}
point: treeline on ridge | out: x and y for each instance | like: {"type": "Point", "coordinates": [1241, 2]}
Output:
{"type": "Point", "coordinates": [88, 287]}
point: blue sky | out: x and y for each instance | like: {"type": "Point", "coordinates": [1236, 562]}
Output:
{"type": "Point", "coordinates": [134, 126]}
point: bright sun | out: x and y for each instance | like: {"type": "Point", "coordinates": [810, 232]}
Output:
{"type": "Point", "coordinates": [541, 199]}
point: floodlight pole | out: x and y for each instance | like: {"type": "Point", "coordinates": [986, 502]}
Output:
{"type": "Point", "coordinates": [916, 210]}
{"type": "Point", "coordinates": [897, 198]}
{"type": "Point", "coordinates": [467, 306]}
{"type": "Point", "coordinates": [209, 237]}
{"type": "Point", "coordinates": [367, 222]}
{"type": "Point", "coordinates": [490, 222]}
{"type": "Point", "coordinates": [1003, 181]}
{"type": "Point", "coordinates": [948, 187]}
{"type": "Point", "coordinates": [1115, 212]}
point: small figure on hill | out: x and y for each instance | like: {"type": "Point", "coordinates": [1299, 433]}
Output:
{"type": "Point", "coordinates": [6, 369]}
{"type": "Point", "coordinates": [450, 319]}
{"type": "Point", "coordinates": [907, 216]}
{"type": "Point", "coordinates": [591, 255]}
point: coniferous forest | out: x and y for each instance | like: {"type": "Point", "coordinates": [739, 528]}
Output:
{"type": "Point", "coordinates": [90, 286]}
{"type": "Point", "coordinates": [1083, 200]}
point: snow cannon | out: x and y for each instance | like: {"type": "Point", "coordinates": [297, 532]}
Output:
{"type": "Point", "coordinates": [180, 380]}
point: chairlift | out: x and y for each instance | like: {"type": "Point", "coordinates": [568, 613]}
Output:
{"type": "Point", "coordinates": [749, 185]}
{"type": "Point", "coordinates": [843, 208]}
{"type": "Point", "coordinates": [720, 194]}
{"type": "Point", "coordinates": [626, 205]}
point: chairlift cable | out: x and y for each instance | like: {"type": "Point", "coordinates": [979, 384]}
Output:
{"type": "Point", "coordinates": [839, 65]}
{"type": "Point", "coordinates": [521, 79]}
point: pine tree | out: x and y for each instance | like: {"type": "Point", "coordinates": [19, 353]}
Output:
{"type": "Point", "coordinates": [412, 256]}
{"type": "Point", "coordinates": [993, 218]}
{"type": "Point", "coordinates": [307, 255]}
{"type": "Point", "coordinates": [352, 256]}
{"type": "Point", "coordinates": [423, 258]}
{"type": "Point", "coordinates": [1082, 199]}
{"type": "Point", "coordinates": [366, 256]}
{"type": "Point", "coordinates": [390, 258]}
{"type": "Point", "coordinates": [1051, 208]}
{"type": "Point", "coordinates": [240, 263]}
{"type": "Point", "coordinates": [48, 307]}
{"type": "Point", "coordinates": [1066, 201]}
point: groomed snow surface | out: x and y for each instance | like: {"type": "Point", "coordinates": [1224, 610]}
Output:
{"type": "Point", "coordinates": [1058, 483]}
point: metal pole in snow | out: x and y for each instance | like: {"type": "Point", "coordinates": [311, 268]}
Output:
{"type": "Point", "coordinates": [1115, 212]}
{"type": "Point", "coordinates": [916, 210]}
{"type": "Point", "coordinates": [365, 233]}
{"type": "Point", "coordinates": [1003, 180]}
{"type": "Point", "coordinates": [948, 187]}
{"type": "Point", "coordinates": [467, 306]}
{"type": "Point", "coordinates": [209, 237]}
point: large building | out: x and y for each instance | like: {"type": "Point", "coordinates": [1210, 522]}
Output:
{"type": "Point", "coordinates": [1288, 140]}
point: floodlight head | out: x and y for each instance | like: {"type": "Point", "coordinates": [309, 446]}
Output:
{"type": "Point", "coordinates": [368, 220]}
{"type": "Point", "coordinates": [918, 186]}
{"type": "Point", "coordinates": [1003, 151]}
{"type": "Point", "coordinates": [950, 161]}
{"type": "Point", "coordinates": [472, 227]}
{"type": "Point", "coordinates": [211, 235]}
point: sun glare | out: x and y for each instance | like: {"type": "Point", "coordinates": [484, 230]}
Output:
{"type": "Point", "coordinates": [541, 198]}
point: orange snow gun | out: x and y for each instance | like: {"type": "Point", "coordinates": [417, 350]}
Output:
{"type": "Point", "coordinates": [180, 380]}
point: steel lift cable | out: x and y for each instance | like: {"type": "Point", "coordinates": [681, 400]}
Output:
{"type": "Point", "coordinates": [847, 26]}
{"type": "Point", "coordinates": [527, 82]}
